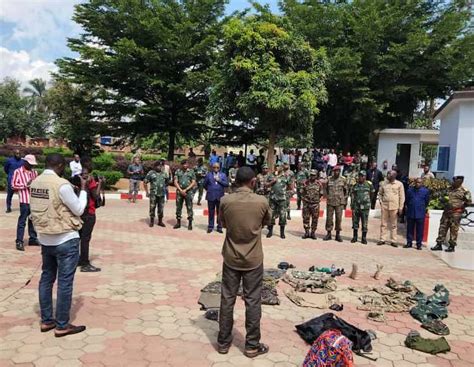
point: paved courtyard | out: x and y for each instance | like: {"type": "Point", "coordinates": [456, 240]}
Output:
{"type": "Point", "coordinates": [142, 310]}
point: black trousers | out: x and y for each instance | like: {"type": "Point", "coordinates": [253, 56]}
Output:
{"type": "Point", "coordinates": [373, 200]}
{"type": "Point", "coordinates": [252, 289]}
{"type": "Point", "coordinates": [86, 233]}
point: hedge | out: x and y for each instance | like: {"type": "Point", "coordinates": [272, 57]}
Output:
{"type": "Point", "coordinates": [60, 150]}
{"type": "Point", "coordinates": [103, 162]}
{"type": "Point", "coordinates": [111, 177]}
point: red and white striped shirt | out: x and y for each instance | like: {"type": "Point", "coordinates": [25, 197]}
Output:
{"type": "Point", "coordinates": [20, 180]}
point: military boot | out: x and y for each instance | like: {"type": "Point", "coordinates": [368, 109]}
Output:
{"type": "Point", "coordinates": [270, 231]}
{"type": "Point", "coordinates": [288, 216]}
{"type": "Point", "coordinates": [451, 248]}
{"type": "Point", "coordinates": [338, 237]}
{"type": "Point", "coordinates": [438, 247]}
{"type": "Point", "coordinates": [152, 222]}
{"type": "Point", "coordinates": [306, 235]}
{"type": "Point", "coordinates": [160, 222]}
{"type": "Point", "coordinates": [354, 236]}
{"type": "Point", "coordinates": [190, 225]}
{"type": "Point", "coordinates": [328, 237]}
{"type": "Point", "coordinates": [364, 238]}
{"type": "Point", "coordinates": [282, 232]}
{"type": "Point", "coordinates": [313, 235]}
{"type": "Point", "coordinates": [178, 224]}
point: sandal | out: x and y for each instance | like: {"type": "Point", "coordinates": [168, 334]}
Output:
{"type": "Point", "coordinates": [261, 349]}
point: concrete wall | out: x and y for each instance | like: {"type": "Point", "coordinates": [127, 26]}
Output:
{"type": "Point", "coordinates": [448, 136]}
{"type": "Point", "coordinates": [465, 145]}
{"type": "Point", "coordinates": [387, 150]}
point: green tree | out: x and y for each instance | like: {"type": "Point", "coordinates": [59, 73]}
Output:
{"type": "Point", "coordinates": [151, 59]}
{"type": "Point", "coordinates": [13, 115]}
{"type": "Point", "coordinates": [268, 77]}
{"type": "Point", "coordinates": [38, 115]}
{"type": "Point", "coordinates": [72, 115]}
{"type": "Point", "coordinates": [387, 58]}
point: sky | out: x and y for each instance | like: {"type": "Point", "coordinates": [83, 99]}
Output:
{"type": "Point", "coordinates": [33, 34]}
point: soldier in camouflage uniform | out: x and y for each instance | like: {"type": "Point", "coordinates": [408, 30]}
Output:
{"type": "Point", "coordinates": [158, 181]}
{"type": "Point", "coordinates": [200, 171]}
{"type": "Point", "coordinates": [311, 193]}
{"type": "Point", "coordinates": [300, 178]}
{"type": "Point", "coordinates": [352, 177]}
{"type": "Point", "coordinates": [308, 157]}
{"type": "Point", "coordinates": [289, 193]}
{"type": "Point", "coordinates": [232, 175]}
{"type": "Point", "coordinates": [361, 195]}
{"type": "Point", "coordinates": [336, 193]}
{"type": "Point", "coordinates": [279, 184]}
{"type": "Point", "coordinates": [261, 187]}
{"type": "Point", "coordinates": [458, 198]}
{"type": "Point", "coordinates": [184, 181]}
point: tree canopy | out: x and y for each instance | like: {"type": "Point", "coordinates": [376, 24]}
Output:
{"type": "Point", "coordinates": [268, 77]}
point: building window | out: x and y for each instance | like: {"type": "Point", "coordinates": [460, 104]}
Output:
{"type": "Point", "coordinates": [443, 159]}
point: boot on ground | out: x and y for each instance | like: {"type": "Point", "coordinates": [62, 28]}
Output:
{"type": "Point", "coordinates": [288, 216]}
{"type": "Point", "coordinates": [451, 248]}
{"type": "Point", "coordinates": [338, 236]}
{"type": "Point", "coordinates": [20, 246]}
{"type": "Point", "coordinates": [178, 224]}
{"type": "Point", "coordinates": [282, 232]}
{"type": "Point", "coordinates": [306, 235]}
{"type": "Point", "coordinates": [364, 238]}
{"type": "Point", "coordinates": [313, 235]}
{"type": "Point", "coordinates": [160, 222]}
{"type": "Point", "coordinates": [190, 225]}
{"type": "Point", "coordinates": [328, 237]}
{"type": "Point", "coordinates": [354, 236]}
{"type": "Point", "coordinates": [270, 231]}
{"type": "Point", "coordinates": [438, 247]}
{"type": "Point", "coordinates": [152, 222]}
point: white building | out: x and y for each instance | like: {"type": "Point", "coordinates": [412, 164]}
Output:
{"type": "Point", "coordinates": [456, 138]}
{"type": "Point", "coordinates": [403, 147]}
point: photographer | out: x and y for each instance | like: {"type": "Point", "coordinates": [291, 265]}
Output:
{"type": "Point", "coordinates": [94, 200]}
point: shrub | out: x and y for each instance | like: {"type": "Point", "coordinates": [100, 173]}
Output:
{"type": "Point", "coordinates": [103, 162]}
{"type": "Point", "coordinates": [111, 177]}
{"type": "Point", "coordinates": [438, 192]}
{"type": "Point", "coordinates": [60, 150]}
{"type": "Point", "coordinates": [3, 180]}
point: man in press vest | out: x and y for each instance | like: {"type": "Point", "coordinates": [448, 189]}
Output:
{"type": "Point", "coordinates": [56, 212]}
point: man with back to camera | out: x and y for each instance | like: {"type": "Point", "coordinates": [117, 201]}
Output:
{"type": "Point", "coordinates": [55, 212]}
{"type": "Point", "coordinates": [243, 214]}
{"type": "Point", "coordinates": [11, 164]}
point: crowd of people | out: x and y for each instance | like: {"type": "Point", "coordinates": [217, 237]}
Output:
{"type": "Point", "coordinates": [242, 193]}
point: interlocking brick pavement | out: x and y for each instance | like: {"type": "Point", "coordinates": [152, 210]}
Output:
{"type": "Point", "coordinates": [141, 310]}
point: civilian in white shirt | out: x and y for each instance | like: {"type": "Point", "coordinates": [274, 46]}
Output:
{"type": "Point", "coordinates": [56, 212]}
{"type": "Point", "coordinates": [332, 161]}
{"type": "Point", "coordinates": [75, 166]}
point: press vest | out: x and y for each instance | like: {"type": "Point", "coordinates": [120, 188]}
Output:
{"type": "Point", "coordinates": [48, 212]}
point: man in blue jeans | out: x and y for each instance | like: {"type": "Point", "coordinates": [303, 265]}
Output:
{"type": "Point", "coordinates": [55, 212]}
{"type": "Point", "coordinates": [9, 167]}
{"type": "Point", "coordinates": [215, 183]}
{"type": "Point", "coordinates": [417, 200]}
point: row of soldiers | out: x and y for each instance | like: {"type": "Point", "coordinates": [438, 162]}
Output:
{"type": "Point", "coordinates": [279, 187]}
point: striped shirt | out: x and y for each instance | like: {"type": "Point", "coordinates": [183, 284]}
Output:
{"type": "Point", "coordinates": [20, 180]}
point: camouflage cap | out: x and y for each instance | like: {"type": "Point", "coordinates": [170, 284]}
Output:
{"type": "Point", "coordinates": [362, 173]}
{"type": "Point", "coordinates": [313, 172]}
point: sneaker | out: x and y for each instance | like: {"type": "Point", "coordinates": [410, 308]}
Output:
{"type": "Point", "coordinates": [69, 330]}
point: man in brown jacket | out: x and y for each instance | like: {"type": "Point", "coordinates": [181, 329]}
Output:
{"type": "Point", "coordinates": [243, 214]}
{"type": "Point", "coordinates": [392, 199]}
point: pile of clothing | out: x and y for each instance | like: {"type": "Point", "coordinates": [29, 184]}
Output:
{"type": "Point", "coordinates": [430, 310]}
{"type": "Point", "coordinates": [310, 282]}
{"type": "Point", "coordinates": [210, 297]}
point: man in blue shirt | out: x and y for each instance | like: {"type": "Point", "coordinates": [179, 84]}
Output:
{"type": "Point", "coordinates": [214, 158]}
{"type": "Point", "coordinates": [416, 201]}
{"type": "Point", "coordinates": [215, 184]}
{"type": "Point", "coordinates": [10, 166]}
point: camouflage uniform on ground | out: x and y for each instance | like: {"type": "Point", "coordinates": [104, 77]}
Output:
{"type": "Point", "coordinates": [158, 182]}
{"type": "Point", "coordinates": [451, 219]}
{"type": "Point", "coordinates": [361, 194]}
{"type": "Point", "coordinates": [336, 191]}
{"type": "Point", "coordinates": [311, 195]}
{"type": "Point", "coordinates": [301, 176]}
{"type": "Point", "coordinates": [200, 172]}
{"type": "Point", "coordinates": [184, 179]}
{"type": "Point", "coordinates": [278, 197]}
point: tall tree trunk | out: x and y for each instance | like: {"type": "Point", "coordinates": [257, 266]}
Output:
{"type": "Point", "coordinates": [271, 150]}
{"type": "Point", "coordinates": [171, 144]}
